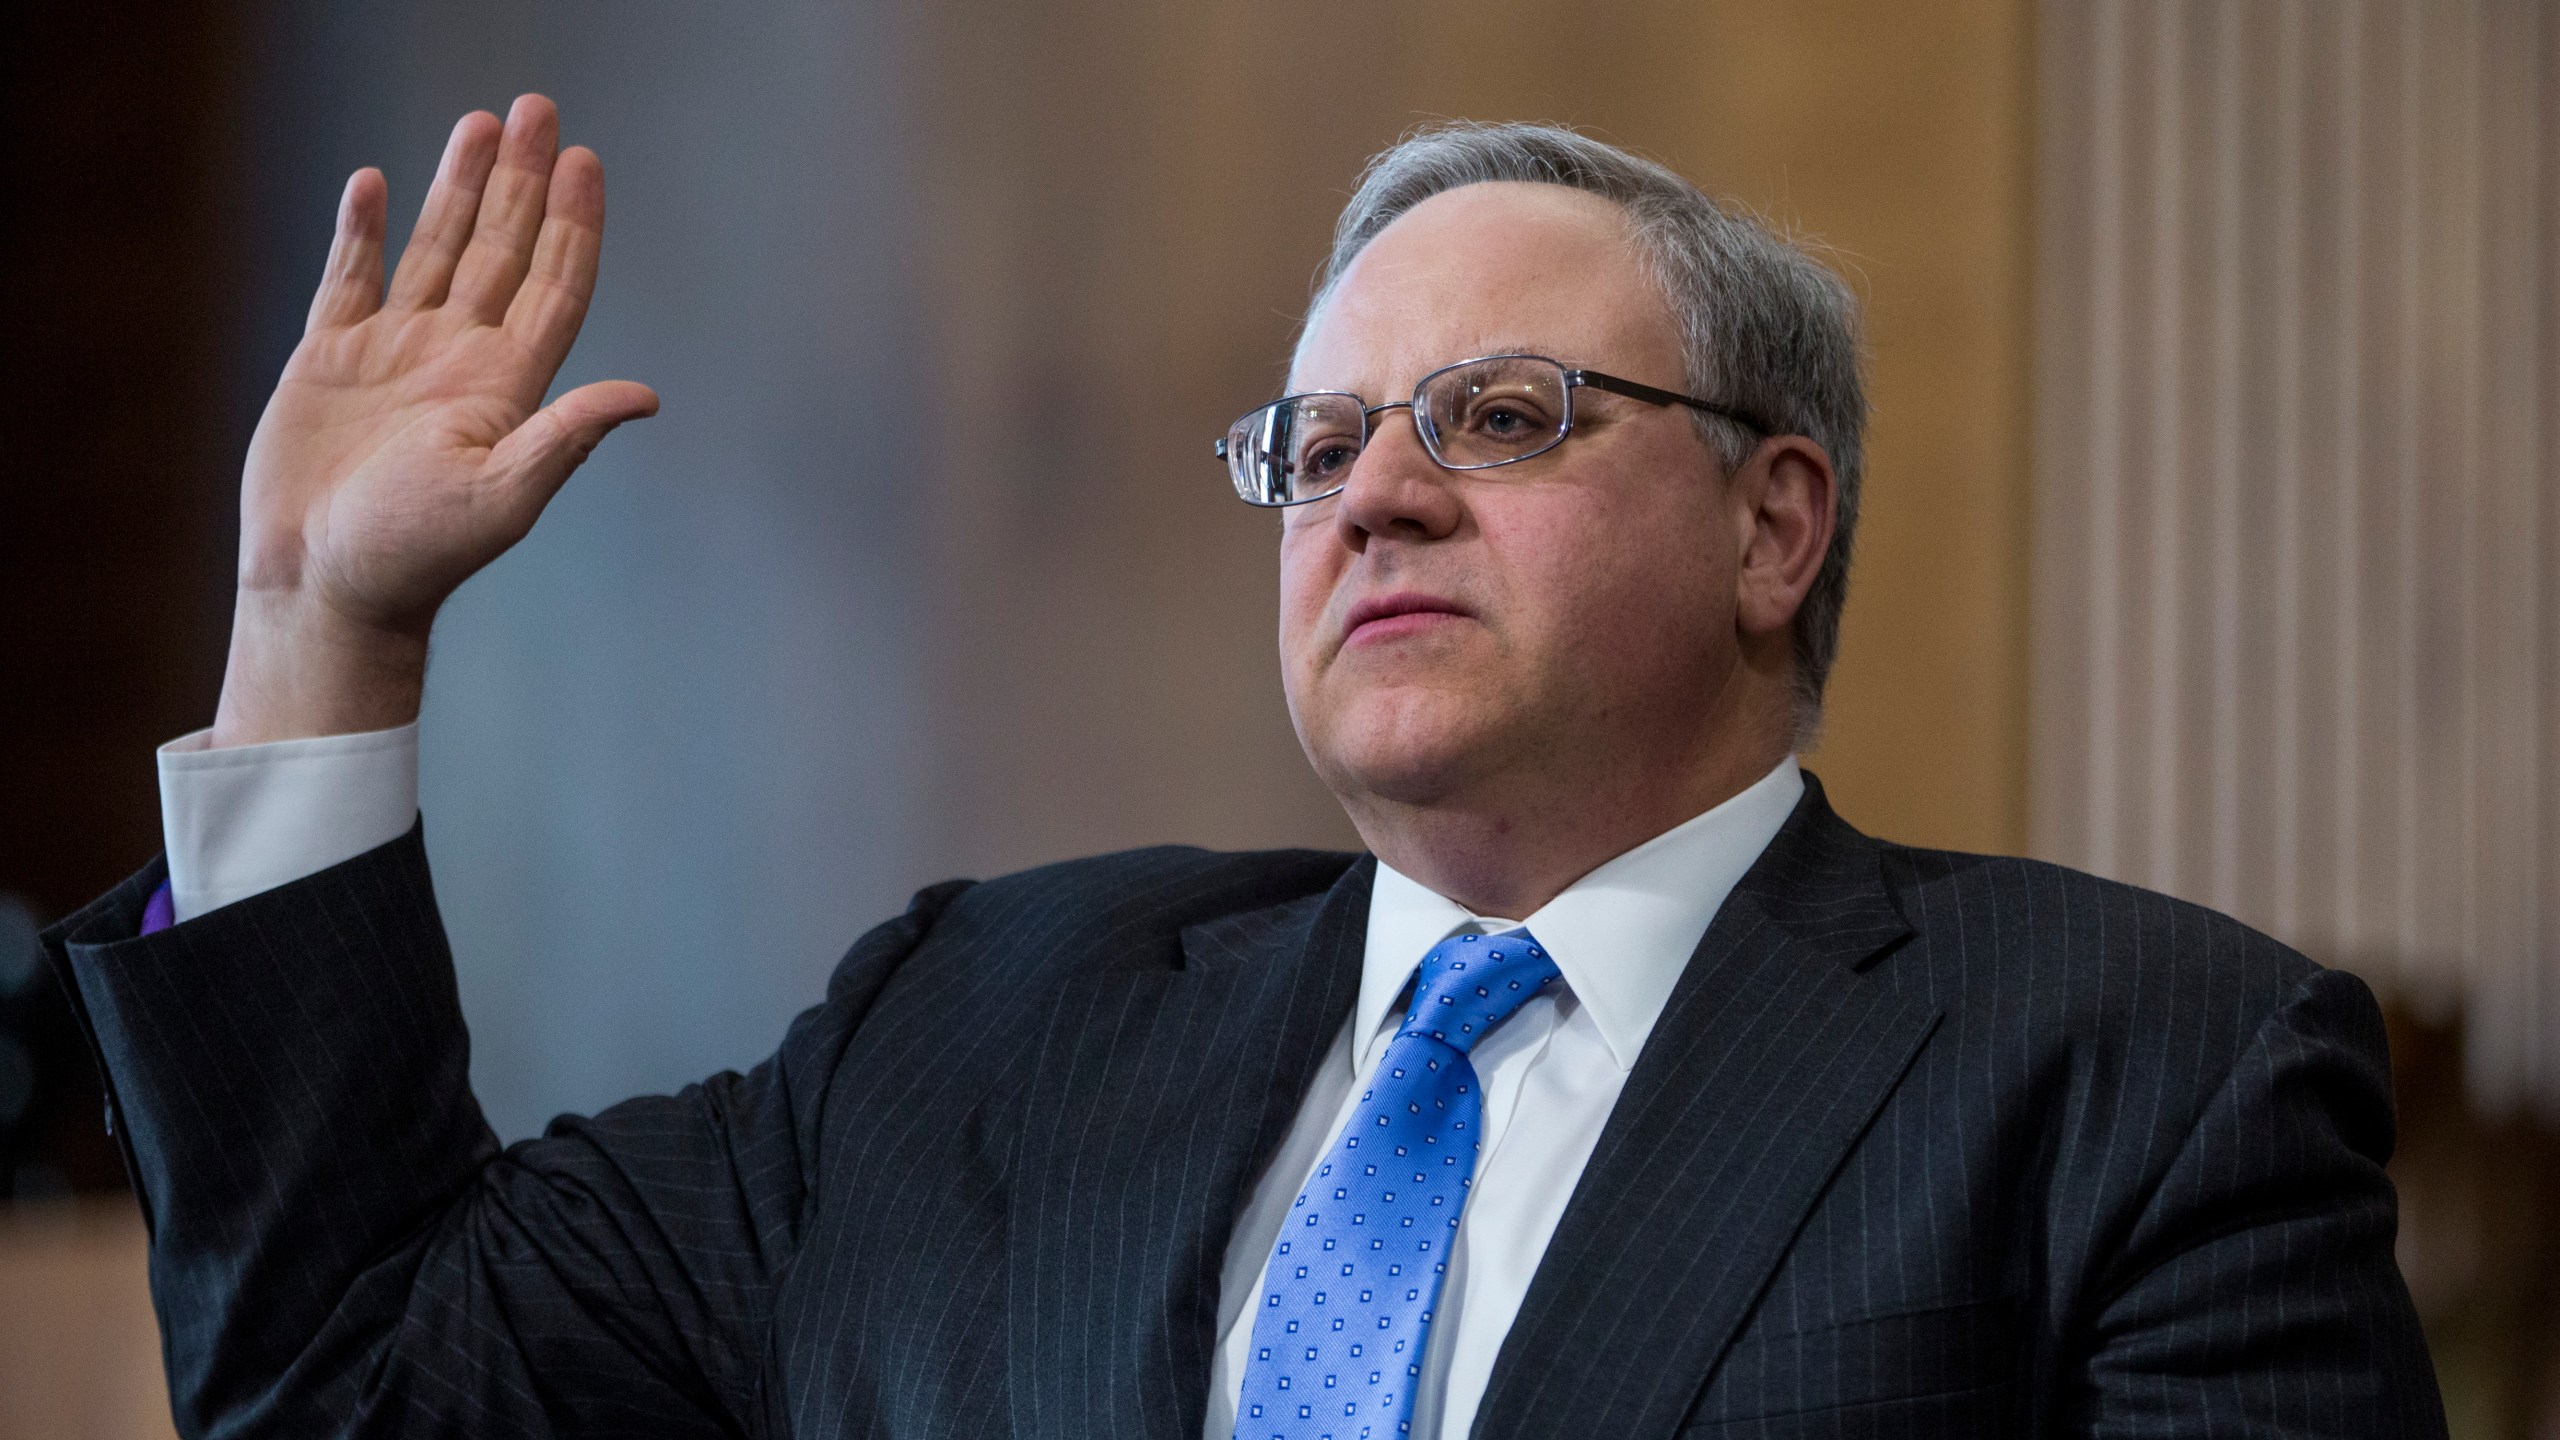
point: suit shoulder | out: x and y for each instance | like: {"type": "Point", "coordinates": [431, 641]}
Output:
{"type": "Point", "coordinates": [1160, 889]}
{"type": "Point", "coordinates": [2008, 922]}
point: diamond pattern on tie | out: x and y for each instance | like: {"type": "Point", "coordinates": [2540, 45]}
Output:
{"type": "Point", "coordinates": [1346, 1300]}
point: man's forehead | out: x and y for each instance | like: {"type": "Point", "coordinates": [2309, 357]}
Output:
{"type": "Point", "coordinates": [1488, 269]}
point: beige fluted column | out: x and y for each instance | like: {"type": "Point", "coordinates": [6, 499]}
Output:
{"type": "Point", "coordinates": [2298, 547]}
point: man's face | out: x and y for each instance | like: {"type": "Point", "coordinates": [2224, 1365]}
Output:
{"type": "Point", "coordinates": [1455, 637]}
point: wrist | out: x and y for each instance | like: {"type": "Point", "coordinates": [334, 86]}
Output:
{"type": "Point", "coordinates": [299, 669]}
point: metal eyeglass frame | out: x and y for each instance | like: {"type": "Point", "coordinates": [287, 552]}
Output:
{"type": "Point", "coordinates": [1574, 379]}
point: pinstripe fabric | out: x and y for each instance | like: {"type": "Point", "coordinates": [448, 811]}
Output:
{"type": "Point", "coordinates": [1923, 1144]}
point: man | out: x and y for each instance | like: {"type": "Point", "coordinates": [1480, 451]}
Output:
{"type": "Point", "coordinates": [1622, 1090]}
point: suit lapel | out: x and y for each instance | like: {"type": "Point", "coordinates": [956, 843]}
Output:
{"type": "Point", "coordinates": [1157, 1096]}
{"type": "Point", "coordinates": [1776, 1049]}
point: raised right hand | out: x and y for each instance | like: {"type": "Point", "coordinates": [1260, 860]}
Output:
{"type": "Point", "coordinates": [403, 449]}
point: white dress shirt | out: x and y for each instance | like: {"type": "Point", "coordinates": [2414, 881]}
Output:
{"type": "Point", "coordinates": [241, 820]}
{"type": "Point", "coordinates": [248, 818]}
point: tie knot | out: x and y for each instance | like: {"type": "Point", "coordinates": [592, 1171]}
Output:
{"type": "Point", "coordinates": [1468, 984]}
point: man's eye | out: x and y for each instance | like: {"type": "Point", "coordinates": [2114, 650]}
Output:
{"type": "Point", "coordinates": [1329, 458]}
{"type": "Point", "coordinates": [1506, 420]}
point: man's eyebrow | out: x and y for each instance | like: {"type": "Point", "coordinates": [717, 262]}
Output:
{"type": "Point", "coordinates": [1513, 347]}
{"type": "Point", "coordinates": [1487, 348]}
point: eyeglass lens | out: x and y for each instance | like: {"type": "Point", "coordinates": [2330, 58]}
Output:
{"type": "Point", "coordinates": [1479, 414]}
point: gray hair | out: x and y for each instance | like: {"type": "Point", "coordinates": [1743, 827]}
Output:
{"type": "Point", "coordinates": [1767, 328]}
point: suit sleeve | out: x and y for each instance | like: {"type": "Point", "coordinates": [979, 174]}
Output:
{"type": "Point", "coordinates": [2257, 1293]}
{"type": "Point", "coordinates": [339, 1244]}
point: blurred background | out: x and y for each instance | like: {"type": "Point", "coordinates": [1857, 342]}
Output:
{"type": "Point", "coordinates": [2212, 539]}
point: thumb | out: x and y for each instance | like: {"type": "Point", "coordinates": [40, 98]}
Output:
{"type": "Point", "coordinates": [556, 439]}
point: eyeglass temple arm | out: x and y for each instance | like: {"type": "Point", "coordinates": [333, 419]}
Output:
{"type": "Point", "coordinates": [1637, 390]}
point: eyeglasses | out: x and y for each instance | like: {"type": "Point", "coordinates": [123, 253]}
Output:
{"type": "Point", "coordinates": [1474, 415]}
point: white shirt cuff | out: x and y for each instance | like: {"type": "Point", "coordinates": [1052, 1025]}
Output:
{"type": "Point", "coordinates": [248, 818]}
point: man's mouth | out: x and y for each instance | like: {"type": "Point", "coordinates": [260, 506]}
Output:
{"type": "Point", "coordinates": [1382, 618]}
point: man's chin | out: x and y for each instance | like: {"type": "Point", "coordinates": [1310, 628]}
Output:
{"type": "Point", "coordinates": [1407, 758]}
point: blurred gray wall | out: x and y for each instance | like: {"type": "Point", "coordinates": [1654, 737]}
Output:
{"type": "Point", "coordinates": [788, 651]}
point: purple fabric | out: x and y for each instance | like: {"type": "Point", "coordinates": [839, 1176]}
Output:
{"type": "Point", "coordinates": [160, 912]}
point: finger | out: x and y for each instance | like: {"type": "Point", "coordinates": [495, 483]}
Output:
{"type": "Point", "coordinates": [351, 283]}
{"type": "Point", "coordinates": [552, 303]}
{"type": "Point", "coordinates": [501, 247]}
{"type": "Point", "coordinates": [538, 457]}
{"type": "Point", "coordinates": [444, 221]}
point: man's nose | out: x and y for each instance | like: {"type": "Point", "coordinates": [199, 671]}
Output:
{"type": "Point", "coordinates": [1395, 488]}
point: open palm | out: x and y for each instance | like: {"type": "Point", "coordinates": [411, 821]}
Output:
{"type": "Point", "coordinates": [407, 444]}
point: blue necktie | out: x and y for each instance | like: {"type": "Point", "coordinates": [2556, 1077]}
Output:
{"type": "Point", "coordinates": [1346, 1301]}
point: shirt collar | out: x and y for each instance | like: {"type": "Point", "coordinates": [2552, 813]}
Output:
{"type": "Point", "coordinates": [1621, 935]}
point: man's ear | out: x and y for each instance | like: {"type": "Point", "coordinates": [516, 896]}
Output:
{"type": "Point", "coordinates": [1790, 506]}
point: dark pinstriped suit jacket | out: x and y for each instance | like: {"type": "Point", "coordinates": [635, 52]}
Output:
{"type": "Point", "coordinates": [1924, 1144]}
